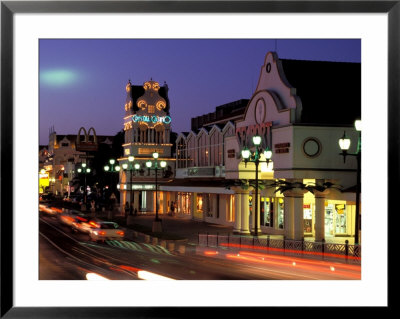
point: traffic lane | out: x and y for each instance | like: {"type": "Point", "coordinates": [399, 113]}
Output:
{"type": "Point", "coordinates": [54, 265]}
{"type": "Point", "coordinates": [292, 266]}
{"type": "Point", "coordinates": [69, 249]}
{"type": "Point", "coordinates": [201, 267]}
{"type": "Point", "coordinates": [177, 267]}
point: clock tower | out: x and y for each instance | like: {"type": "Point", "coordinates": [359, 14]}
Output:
{"type": "Point", "coordinates": [147, 127]}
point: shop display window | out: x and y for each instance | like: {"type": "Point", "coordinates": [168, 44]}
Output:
{"type": "Point", "coordinates": [184, 203]}
{"type": "Point", "coordinates": [341, 225]}
{"type": "Point", "coordinates": [267, 211]}
{"type": "Point", "coordinates": [281, 214]}
{"type": "Point", "coordinates": [200, 203]}
{"type": "Point", "coordinates": [307, 217]}
{"type": "Point", "coordinates": [335, 218]}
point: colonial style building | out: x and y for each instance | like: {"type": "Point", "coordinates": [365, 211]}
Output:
{"type": "Point", "coordinates": [60, 158]}
{"type": "Point", "coordinates": [300, 109]}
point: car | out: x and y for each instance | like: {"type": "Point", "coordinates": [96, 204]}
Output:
{"type": "Point", "coordinates": [106, 230]}
{"type": "Point", "coordinates": [84, 225]}
{"type": "Point", "coordinates": [69, 216]}
{"type": "Point", "coordinates": [47, 210]}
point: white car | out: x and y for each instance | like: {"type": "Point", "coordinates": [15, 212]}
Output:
{"type": "Point", "coordinates": [106, 230]}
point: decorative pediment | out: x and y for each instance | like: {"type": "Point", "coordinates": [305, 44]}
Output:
{"type": "Point", "coordinates": [151, 101]}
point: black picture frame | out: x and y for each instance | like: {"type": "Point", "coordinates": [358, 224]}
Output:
{"type": "Point", "coordinates": [9, 8]}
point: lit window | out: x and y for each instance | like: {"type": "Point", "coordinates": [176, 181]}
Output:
{"type": "Point", "coordinates": [151, 109]}
{"type": "Point", "coordinates": [127, 151]}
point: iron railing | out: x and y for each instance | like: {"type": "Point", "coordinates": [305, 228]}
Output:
{"type": "Point", "coordinates": [297, 248]}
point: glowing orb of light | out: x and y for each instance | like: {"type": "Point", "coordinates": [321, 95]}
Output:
{"type": "Point", "coordinates": [58, 77]}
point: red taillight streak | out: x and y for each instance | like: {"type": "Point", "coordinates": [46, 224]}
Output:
{"type": "Point", "coordinates": [120, 233]}
{"type": "Point", "coordinates": [299, 260]}
{"type": "Point", "coordinates": [210, 253]}
{"type": "Point", "coordinates": [101, 233]}
{"type": "Point", "coordinates": [130, 268]}
{"type": "Point", "coordinates": [288, 264]}
{"type": "Point", "coordinates": [289, 251]}
{"type": "Point", "coordinates": [81, 218]}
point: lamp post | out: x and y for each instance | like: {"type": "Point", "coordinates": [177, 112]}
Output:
{"type": "Point", "coordinates": [131, 167]}
{"type": "Point", "coordinates": [255, 157]}
{"type": "Point", "coordinates": [84, 170]}
{"type": "Point", "coordinates": [344, 144]}
{"type": "Point", "coordinates": [112, 169]}
{"type": "Point", "coordinates": [157, 227]}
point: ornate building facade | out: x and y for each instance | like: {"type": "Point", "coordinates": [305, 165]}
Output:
{"type": "Point", "coordinates": [147, 129]}
{"type": "Point", "coordinates": [300, 109]}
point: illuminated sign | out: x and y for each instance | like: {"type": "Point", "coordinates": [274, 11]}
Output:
{"type": "Point", "coordinates": [144, 187]}
{"type": "Point", "coordinates": [151, 119]}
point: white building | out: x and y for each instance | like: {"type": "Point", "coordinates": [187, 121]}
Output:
{"type": "Point", "coordinates": [299, 108]}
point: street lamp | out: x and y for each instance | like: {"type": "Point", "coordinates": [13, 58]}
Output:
{"type": "Point", "coordinates": [157, 227]}
{"type": "Point", "coordinates": [84, 170]}
{"type": "Point", "coordinates": [112, 169]}
{"type": "Point", "coordinates": [255, 157]}
{"type": "Point", "coordinates": [344, 144]}
{"type": "Point", "coordinates": [131, 167]}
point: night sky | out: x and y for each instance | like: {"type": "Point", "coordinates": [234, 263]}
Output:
{"type": "Point", "coordinates": [82, 82]}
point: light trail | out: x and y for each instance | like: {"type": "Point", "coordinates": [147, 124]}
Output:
{"type": "Point", "coordinates": [289, 263]}
{"type": "Point", "coordinates": [280, 250]}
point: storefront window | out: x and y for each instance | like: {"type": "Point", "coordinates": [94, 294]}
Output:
{"type": "Point", "coordinates": [200, 202]}
{"type": "Point", "coordinates": [335, 218]}
{"type": "Point", "coordinates": [341, 225]}
{"type": "Point", "coordinates": [184, 203]}
{"type": "Point", "coordinates": [307, 211]}
{"type": "Point", "coordinates": [280, 209]}
{"type": "Point", "coordinates": [267, 211]}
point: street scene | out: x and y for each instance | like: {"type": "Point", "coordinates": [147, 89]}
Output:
{"type": "Point", "coordinates": [200, 159]}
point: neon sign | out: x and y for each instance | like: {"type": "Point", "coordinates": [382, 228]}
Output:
{"type": "Point", "coordinates": [151, 119]}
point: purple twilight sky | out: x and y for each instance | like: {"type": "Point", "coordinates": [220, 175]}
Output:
{"type": "Point", "coordinates": [82, 82]}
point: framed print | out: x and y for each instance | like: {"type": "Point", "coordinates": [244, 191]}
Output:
{"type": "Point", "coordinates": [24, 27]}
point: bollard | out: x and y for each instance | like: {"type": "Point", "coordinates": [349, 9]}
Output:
{"type": "Point", "coordinates": [346, 250]}
{"type": "Point", "coordinates": [268, 241]}
{"type": "Point", "coordinates": [217, 239]}
{"type": "Point", "coordinates": [323, 247]}
{"type": "Point", "coordinates": [207, 239]}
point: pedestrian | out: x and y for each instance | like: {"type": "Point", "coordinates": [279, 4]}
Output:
{"type": "Point", "coordinates": [172, 208]}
